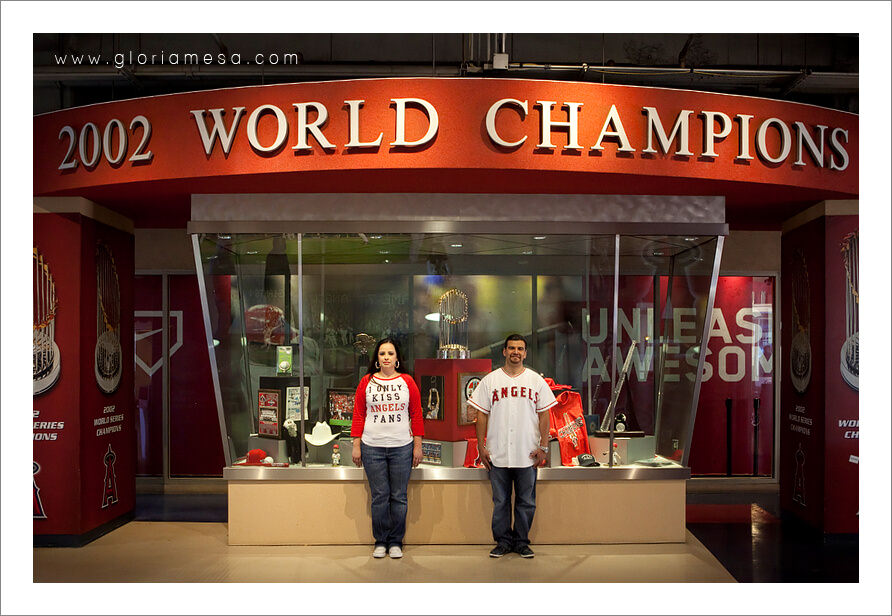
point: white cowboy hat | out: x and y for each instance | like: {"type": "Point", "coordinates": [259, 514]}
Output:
{"type": "Point", "coordinates": [321, 434]}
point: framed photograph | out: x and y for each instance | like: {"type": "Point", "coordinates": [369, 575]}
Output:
{"type": "Point", "coordinates": [294, 402]}
{"type": "Point", "coordinates": [340, 406]}
{"type": "Point", "coordinates": [269, 413]}
{"type": "Point", "coordinates": [467, 383]}
{"type": "Point", "coordinates": [433, 396]}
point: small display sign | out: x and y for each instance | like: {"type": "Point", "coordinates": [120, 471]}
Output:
{"type": "Point", "coordinates": [269, 414]}
{"type": "Point", "coordinates": [432, 452]}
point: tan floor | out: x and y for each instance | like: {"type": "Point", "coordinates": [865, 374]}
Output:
{"type": "Point", "coordinates": [198, 552]}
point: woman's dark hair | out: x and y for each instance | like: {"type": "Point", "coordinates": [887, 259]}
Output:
{"type": "Point", "coordinates": [399, 358]}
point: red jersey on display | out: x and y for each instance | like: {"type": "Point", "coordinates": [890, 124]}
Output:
{"type": "Point", "coordinates": [568, 425]}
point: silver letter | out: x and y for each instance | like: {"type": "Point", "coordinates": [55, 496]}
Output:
{"type": "Point", "coordinates": [680, 128]}
{"type": "Point", "coordinates": [218, 131]}
{"type": "Point", "coordinates": [280, 135]}
{"type": "Point", "coordinates": [744, 141]}
{"type": "Point", "coordinates": [761, 147]}
{"type": "Point", "coordinates": [816, 151]}
{"type": "Point", "coordinates": [491, 121]}
{"type": "Point", "coordinates": [433, 122]}
{"type": "Point", "coordinates": [837, 147]}
{"type": "Point", "coordinates": [709, 134]}
{"type": "Point", "coordinates": [303, 127]}
{"type": "Point", "coordinates": [354, 128]}
{"type": "Point", "coordinates": [619, 132]}
{"type": "Point", "coordinates": [572, 125]}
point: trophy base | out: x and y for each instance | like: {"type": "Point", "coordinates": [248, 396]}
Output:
{"type": "Point", "coordinates": [45, 382]}
{"type": "Point", "coordinates": [453, 354]}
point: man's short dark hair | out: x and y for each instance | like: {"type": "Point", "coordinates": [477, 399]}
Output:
{"type": "Point", "coordinates": [515, 337]}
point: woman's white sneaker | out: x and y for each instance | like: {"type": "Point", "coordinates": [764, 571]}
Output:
{"type": "Point", "coordinates": [380, 552]}
{"type": "Point", "coordinates": [396, 552]}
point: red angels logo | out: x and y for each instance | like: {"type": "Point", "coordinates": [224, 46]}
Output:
{"type": "Point", "coordinates": [110, 488]}
{"type": "Point", "coordinates": [39, 513]}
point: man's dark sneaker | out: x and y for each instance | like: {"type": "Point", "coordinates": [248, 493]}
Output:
{"type": "Point", "coordinates": [525, 551]}
{"type": "Point", "coordinates": [499, 551]}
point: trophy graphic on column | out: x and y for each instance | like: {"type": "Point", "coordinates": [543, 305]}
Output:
{"type": "Point", "coordinates": [848, 354]}
{"type": "Point", "coordinates": [453, 309]}
{"type": "Point", "coordinates": [800, 348]}
{"type": "Point", "coordinates": [47, 362]}
{"type": "Point", "coordinates": [108, 355]}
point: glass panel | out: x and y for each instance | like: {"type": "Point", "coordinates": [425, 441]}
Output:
{"type": "Point", "coordinates": [734, 430]}
{"type": "Point", "coordinates": [663, 296]}
{"type": "Point", "coordinates": [557, 291]}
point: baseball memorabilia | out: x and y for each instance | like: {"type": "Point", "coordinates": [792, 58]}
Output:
{"type": "Point", "coordinates": [108, 360]}
{"type": "Point", "coordinates": [614, 398]}
{"type": "Point", "coordinates": [340, 406]}
{"type": "Point", "coordinates": [294, 402]}
{"type": "Point", "coordinates": [321, 435]}
{"type": "Point", "coordinates": [467, 383]}
{"type": "Point", "coordinates": [269, 413]}
{"type": "Point", "coordinates": [433, 396]}
{"type": "Point", "coordinates": [453, 318]}
{"type": "Point", "coordinates": [432, 452]}
{"type": "Point", "coordinates": [568, 426]}
{"type": "Point", "coordinates": [587, 459]}
{"type": "Point", "coordinates": [47, 362]}
{"type": "Point", "coordinates": [283, 360]}
{"type": "Point", "coordinates": [472, 455]}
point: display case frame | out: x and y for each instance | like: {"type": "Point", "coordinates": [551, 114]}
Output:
{"type": "Point", "coordinates": [210, 225]}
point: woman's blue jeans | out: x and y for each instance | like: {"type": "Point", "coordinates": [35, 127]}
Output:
{"type": "Point", "coordinates": [388, 470]}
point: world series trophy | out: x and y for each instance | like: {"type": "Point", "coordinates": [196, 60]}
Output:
{"type": "Point", "coordinates": [848, 354]}
{"type": "Point", "coordinates": [47, 362]}
{"type": "Point", "coordinates": [800, 348]}
{"type": "Point", "coordinates": [453, 309]}
{"type": "Point", "coordinates": [108, 356]}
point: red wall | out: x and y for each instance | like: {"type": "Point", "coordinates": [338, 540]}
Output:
{"type": "Point", "coordinates": [819, 476]}
{"type": "Point", "coordinates": [89, 480]}
{"type": "Point", "coordinates": [58, 239]}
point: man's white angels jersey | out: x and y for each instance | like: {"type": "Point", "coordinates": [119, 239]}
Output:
{"type": "Point", "coordinates": [513, 405]}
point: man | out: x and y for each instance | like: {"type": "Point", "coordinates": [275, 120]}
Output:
{"type": "Point", "coordinates": [512, 402]}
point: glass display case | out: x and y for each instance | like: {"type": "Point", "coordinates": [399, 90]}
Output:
{"type": "Point", "coordinates": [616, 318]}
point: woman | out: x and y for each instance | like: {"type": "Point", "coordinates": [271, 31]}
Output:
{"type": "Point", "coordinates": [387, 429]}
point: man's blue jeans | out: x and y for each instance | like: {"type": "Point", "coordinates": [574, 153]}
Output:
{"type": "Point", "coordinates": [524, 482]}
{"type": "Point", "coordinates": [388, 470]}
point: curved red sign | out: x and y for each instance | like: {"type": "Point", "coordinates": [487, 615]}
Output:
{"type": "Point", "coordinates": [266, 133]}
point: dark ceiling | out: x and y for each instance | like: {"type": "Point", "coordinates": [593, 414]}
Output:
{"type": "Point", "coordinates": [72, 70]}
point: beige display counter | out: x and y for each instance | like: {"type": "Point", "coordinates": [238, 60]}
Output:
{"type": "Point", "coordinates": [330, 506]}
